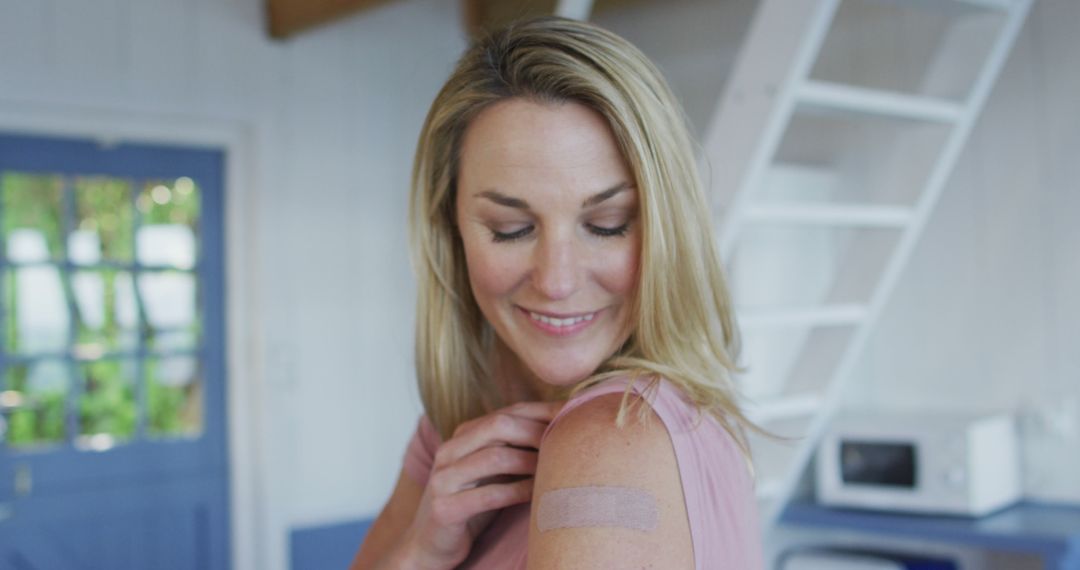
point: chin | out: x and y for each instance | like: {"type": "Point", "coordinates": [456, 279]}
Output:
{"type": "Point", "coordinates": [564, 374]}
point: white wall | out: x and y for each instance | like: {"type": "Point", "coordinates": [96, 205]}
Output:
{"type": "Point", "coordinates": [693, 42]}
{"type": "Point", "coordinates": [330, 121]}
{"type": "Point", "coordinates": [987, 313]}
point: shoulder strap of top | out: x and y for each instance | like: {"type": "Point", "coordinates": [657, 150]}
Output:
{"type": "Point", "coordinates": [420, 454]}
{"type": "Point", "coordinates": [610, 386]}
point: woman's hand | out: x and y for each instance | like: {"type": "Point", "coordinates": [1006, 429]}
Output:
{"type": "Point", "coordinates": [488, 464]}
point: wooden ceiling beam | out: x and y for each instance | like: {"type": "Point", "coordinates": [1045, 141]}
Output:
{"type": "Point", "coordinates": [288, 17]}
{"type": "Point", "coordinates": [485, 15]}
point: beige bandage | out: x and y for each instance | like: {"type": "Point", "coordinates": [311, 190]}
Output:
{"type": "Point", "coordinates": [624, 507]}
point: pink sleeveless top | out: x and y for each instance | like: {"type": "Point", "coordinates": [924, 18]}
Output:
{"type": "Point", "coordinates": [717, 486]}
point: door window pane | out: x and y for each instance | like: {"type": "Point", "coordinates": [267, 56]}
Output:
{"type": "Point", "coordinates": [107, 411]}
{"type": "Point", "coordinates": [36, 314]}
{"type": "Point", "coordinates": [103, 228]}
{"type": "Point", "coordinates": [174, 395]}
{"type": "Point", "coordinates": [167, 235]}
{"type": "Point", "coordinates": [32, 216]}
{"type": "Point", "coordinates": [170, 302]}
{"type": "Point", "coordinates": [107, 314]}
{"type": "Point", "coordinates": [33, 399]}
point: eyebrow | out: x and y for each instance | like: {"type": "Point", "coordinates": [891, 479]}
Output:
{"type": "Point", "coordinates": [504, 200]}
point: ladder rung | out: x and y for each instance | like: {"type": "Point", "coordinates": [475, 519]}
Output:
{"type": "Point", "coordinates": [834, 215]}
{"type": "Point", "coordinates": [834, 96]}
{"type": "Point", "coordinates": [1001, 5]}
{"type": "Point", "coordinates": [829, 315]}
{"type": "Point", "coordinates": [783, 408]}
{"type": "Point", "coordinates": [990, 4]}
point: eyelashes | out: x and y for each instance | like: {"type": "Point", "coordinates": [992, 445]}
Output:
{"type": "Point", "coordinates": [609, 232]}
{"type": "Point", "coordinates": [598, 231]}
{"type": "Point", "coordinates": [498, 237]}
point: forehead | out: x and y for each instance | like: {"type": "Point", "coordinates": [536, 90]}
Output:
{"type": "Point", "coordinates": [518, 145]}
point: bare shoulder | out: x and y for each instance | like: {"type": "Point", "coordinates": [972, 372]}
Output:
{"type": "Point", "coordinates": [588, 442]}
{"type": "Point", "coordinates": [585, 453]}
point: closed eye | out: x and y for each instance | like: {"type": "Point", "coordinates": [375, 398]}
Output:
{"type": "Point", "coordinates": [599, 231]}
{"type": "Point", "coordinates": [609, 232]}
{"type": "Point", "coordinates": [498, 236]}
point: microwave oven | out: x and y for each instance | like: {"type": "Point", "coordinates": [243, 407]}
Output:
{"type": "Point", "coordinates": [922, 462]}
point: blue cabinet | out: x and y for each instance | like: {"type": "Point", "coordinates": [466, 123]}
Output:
{"type": "Point", "coordinates": [1049, 531]}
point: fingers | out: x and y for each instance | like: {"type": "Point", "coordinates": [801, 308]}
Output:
{"type": "Point", "coordinates": [534, 410]}
{"type": "Point", "coordinates": [539, 411]}
{"type": "Point", "coordinates": [489, 462]}
{"type": "Point", "coordinates": [471, 470]}
{"type": "Point", "coordinates": [459, 507]}
{"type": "Point", "coordinates": [521, 425]}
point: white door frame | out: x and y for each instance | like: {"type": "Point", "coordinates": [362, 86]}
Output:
{"type": "Point", "coordinates": [258, 533]}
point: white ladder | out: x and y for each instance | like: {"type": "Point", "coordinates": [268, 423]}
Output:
{"type": "Point", "coordinates": [825, 169]}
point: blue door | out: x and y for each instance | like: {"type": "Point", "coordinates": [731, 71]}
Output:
{"type": "Point", "coordinates": [112, 377]}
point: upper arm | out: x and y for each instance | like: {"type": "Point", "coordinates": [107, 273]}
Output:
{"type": "Point", "coordinates": [585, 449]}
{"type": "Point", "coordinates": [391, 523]}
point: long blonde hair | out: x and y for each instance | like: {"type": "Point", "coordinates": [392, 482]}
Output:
{"type": "Point", "coordinates": [683, 329]}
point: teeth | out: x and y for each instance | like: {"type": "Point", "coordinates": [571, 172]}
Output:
{"type": "Point", "coordinates": [560, 322]}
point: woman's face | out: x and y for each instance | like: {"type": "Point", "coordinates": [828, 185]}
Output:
{"type": "Point", "coordinates": [547, 212]}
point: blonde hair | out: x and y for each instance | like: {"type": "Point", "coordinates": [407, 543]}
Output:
{"type": "Point", "coordinates": [683, 328]}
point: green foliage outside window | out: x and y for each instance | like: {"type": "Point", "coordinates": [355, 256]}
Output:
{"type": "Point", "coordinates": [103, 206]}
{"type": "Point", "coordinates": [107, 403]}
{"type": "Point", "coordinates": [43, 424]}
{"type": "Point", "coordinates": [169, 408]}
{"type": "Point", "coordinates": [163, 406]}
{"type": "Point", "coordinates": [33, 201]}
{"type": "Point", "coordinates": [42, 420]}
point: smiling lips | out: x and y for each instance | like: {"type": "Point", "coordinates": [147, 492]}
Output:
{"type": "Point", "coordinates": [560, 326]}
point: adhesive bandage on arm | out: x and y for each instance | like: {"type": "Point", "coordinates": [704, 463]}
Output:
{"type": "Point", "coordinates": [622, 507]}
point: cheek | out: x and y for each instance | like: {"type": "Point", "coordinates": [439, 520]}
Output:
{"type": "Point", "coordinates": [492, 273]}
{"type": "Point", "coordinates": [619, 273]}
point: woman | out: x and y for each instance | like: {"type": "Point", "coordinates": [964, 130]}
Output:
{"type": "Point", "coordinates": [575, 343]}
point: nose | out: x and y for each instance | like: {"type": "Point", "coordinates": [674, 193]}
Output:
{"type": "Point", "coordinates": [556, 267]}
